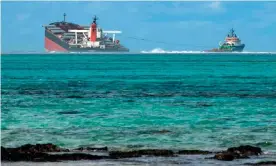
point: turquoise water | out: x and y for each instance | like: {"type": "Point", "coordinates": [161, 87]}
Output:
{"type": "Point", "coordinates": [138, 101]}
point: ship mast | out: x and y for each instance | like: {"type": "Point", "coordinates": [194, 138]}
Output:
{"type": "Point", "coordinates": [64, 15]}
{"type": "Point", "coordinates": [232, 33]}
{"type": "Point", "coordinates": [95, 19]}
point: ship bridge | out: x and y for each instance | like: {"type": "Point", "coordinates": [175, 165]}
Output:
{"type": "Point", "coordinates": [232, 38]}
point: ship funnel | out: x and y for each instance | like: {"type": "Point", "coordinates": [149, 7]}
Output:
{"type": "Point", "coordinates": [93, 30]}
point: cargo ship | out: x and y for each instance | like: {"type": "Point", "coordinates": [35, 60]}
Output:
{"type": "Point", "coordinates": [70, 37]}
{"type": "Point", "coordinates": [232, 43]}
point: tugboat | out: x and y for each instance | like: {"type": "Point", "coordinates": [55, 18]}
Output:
{"type": "Point", "coordinates": [232, 43]}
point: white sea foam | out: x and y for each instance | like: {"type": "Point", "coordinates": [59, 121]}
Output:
{"type": "Point", "coordinates": [161, 51]}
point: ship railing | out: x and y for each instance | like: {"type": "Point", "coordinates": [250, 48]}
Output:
{"type": "Point", "coordinates": [73, 44]}
{"type": "Point", "coordinates": [112, 32]}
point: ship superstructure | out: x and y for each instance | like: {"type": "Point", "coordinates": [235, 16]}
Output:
{"type": "Point", "coordinates": [232, 43]}
{"type": "Point", "coordinates": [69, 37]}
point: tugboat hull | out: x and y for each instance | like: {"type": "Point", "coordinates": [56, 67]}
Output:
{"type": "Point", "coordinates": [238, 48]}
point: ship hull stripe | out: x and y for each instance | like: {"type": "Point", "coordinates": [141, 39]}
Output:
{"type": "Point", "coordinates": [52, 46]}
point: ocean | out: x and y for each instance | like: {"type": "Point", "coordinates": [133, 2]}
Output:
{"type": "Point", "coordinates": [131, 101]}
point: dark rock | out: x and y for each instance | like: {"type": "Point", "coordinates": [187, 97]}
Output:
{"type": "Point", "coordinates": [74, 97]}
{"type": "Point", "coordinates": [68, 112]}
{"type": "Point", "coordinates": [49, 157]}
{"type": "Point", "coordinates": [130, 101]}
{"type": "Point", "coordinates": [118, 154]}
{"type": "Point", "coordinates": [271, 163]}
{"type": "Point", "coordinates": [3, 150]}
{"type": "Point", "coordinates": [245, 150]}
{"type": "Point", "coordinates": [19, 156]}
{"type": "Point", "coordinates": [203, 104]}
{"type": "Point", "coordinates": [38, 148]}
{"type": "Point", "coordinates": [73, 156]}
{"type": "Point", "coordinates": [134, 146]}
{"type": "Point", "coordinates": [224, 156]}
{"type": "Point", "coordinates": [139, 153]}
{"type": "Point", "coordinates": [189, 152]}
{"type": "Point", "coordinates": [29, 153]}
{"type": "Point", "coordinates": [240, 152]}
{"type": "Point", "coordinates": [164, 131]}
{"type": "Point", "coordinates": [92, 149]}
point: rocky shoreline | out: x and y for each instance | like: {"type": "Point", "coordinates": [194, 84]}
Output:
{"type": "Point", "coordinates": [52, 153]}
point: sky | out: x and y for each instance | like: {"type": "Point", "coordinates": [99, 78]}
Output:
{"type": "Point", "coordinates": [178, 25]}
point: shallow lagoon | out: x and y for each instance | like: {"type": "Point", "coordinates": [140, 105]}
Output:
{"type": "Point", "coordinates": [172, 101]}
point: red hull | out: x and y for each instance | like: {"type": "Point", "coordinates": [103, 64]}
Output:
{"type": "Point", "coordinates": [52, 46]}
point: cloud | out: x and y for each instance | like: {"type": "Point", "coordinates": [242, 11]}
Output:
{"type": "Point", "coordinates": [23, 16]}
{"type": "Point", "coordinates": [215, 5]}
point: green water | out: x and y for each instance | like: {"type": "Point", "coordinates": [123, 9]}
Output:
{"type": "Point", "coordinates": [125, 101]}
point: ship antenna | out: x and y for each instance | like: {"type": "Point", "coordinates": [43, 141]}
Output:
{"type": "Point", "coordinates": [95, 19]}
{"type": "Point", "coordinates": [232, 32]}
{"type": "Point", "coordinates": [64, 15]}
